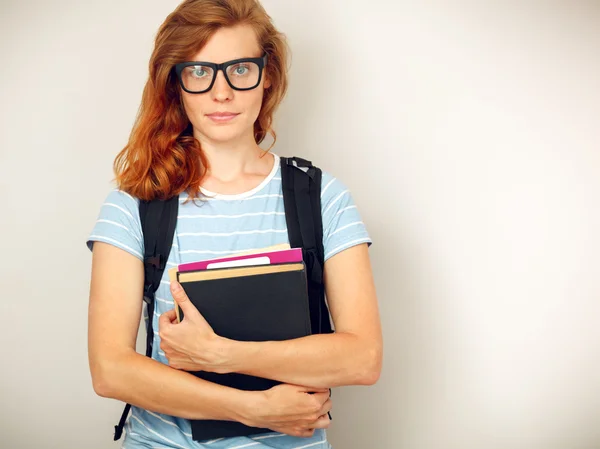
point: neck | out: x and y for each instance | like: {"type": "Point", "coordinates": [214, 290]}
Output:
{"type": "Point", "coordinates": [229, 161]}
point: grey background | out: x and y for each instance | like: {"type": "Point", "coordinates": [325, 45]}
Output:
{"type": "Point", "coordinates": [468, 134]}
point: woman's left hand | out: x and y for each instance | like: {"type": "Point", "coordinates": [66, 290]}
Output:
{"type": "Point", "coordinates": [191, 345]}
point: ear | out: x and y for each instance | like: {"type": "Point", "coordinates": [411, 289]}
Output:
{"type": "Point", "coordinates": [267, 82]}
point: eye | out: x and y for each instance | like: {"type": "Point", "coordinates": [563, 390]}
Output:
{"type": "Point", "coordinates": [240, 69]}
{"type": "Point", "coordinates": [198, 72]}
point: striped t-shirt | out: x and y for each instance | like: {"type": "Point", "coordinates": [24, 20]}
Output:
{"type": "Point", "coordinates": [220, 226]}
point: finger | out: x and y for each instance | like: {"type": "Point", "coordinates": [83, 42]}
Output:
{"type": "Point", "coordinates": [322, 423]}
{"type": "Point", "coordinates": [322, 397]}
{"type": "Point", "coordinates": [312, 389]}
{"type": "Point", "coordinates": [308, 433]}
{"type": "Point", "coordinates": [326, 408]}
{"type": "Point", "coordinates": [181, 298]}
{"type": "Point", "coordinates": [170, 315]}
{"type": "Point", "coordinates": [163, 321]}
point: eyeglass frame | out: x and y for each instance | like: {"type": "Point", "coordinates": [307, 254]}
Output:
{"type": "Point", "coordinates": [261, 62]}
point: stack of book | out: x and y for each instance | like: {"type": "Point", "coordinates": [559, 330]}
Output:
{"type": "Point", "coordinates": [257, 296]}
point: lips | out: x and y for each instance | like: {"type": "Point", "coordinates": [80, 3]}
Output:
{"type": "Point", "coordinates": [222, 114]}
{"type": "Point", "coordinates": [222, 117]}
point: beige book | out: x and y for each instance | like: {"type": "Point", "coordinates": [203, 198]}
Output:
{"type": "Point", "coordinates": [225, 273]}
{"type": "Point", "coordinates": [237, 271]}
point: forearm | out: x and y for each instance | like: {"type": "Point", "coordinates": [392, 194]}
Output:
{"type": "Point", "coordinates": [321, 360]}
{"type": "Point", "coordinates": [147, 383]}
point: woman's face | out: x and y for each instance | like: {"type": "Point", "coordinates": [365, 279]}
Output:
{"type": "Point", "coordinates": [225, 45]}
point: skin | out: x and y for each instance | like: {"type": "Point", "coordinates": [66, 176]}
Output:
{"type": "Point", "coordinates": [234, 158]}
{"type": "Point", "coordinates": [313, 364]}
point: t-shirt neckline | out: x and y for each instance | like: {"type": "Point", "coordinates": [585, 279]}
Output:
{"type": "Point", "coordinates": [238, 196]}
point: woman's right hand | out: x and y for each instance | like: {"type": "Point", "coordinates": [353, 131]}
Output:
{"type": "Point", "coordinates": [291, 409]}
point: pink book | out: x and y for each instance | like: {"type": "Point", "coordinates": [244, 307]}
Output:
{"type": "Point", "coordinates": [265, 258]}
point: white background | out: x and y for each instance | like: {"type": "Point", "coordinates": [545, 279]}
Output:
{"type": "Point", "coordinates": [468, 133]}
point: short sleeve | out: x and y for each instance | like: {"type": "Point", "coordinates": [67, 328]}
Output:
{"type": "Point", "coordinates": [342, 223]}
{"type": "Point", "coordinates": [119, 224]}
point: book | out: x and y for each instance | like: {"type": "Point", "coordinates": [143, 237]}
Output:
{"type": "Point", "coordinates": [260, 258]}
{"type": "Point", "coordinates": [246, 303]}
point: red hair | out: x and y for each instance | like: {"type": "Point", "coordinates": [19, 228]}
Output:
{"type": "Point", "coordinates": [162, 158]}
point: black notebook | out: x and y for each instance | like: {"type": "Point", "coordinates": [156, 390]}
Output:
{"type": "Point", "coordinates": [259, 303]}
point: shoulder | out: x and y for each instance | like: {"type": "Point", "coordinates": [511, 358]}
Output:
{"type": "Point", "coordinates": [331, 186]}
{"type": "Point", "coordinates": [335, 194]}
{"type": "Point", "coordinates": [343, 226]}
{"type": "Point", "coordinates": [118, 223]}
{"type": "Point", "coordinates": [123, 201]}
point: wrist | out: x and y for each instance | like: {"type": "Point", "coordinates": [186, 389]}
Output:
{"type": "Point", "coordinates": [253, 404]}
{"type": "Point", "coordinates": [227, 351]}
{"type": "Point", "coordinates": [239, 355]}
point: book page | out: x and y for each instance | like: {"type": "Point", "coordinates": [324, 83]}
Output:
{"type": "Point", "coordinates": [237, 272]}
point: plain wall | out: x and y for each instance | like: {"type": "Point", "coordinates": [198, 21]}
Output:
{"type": "Point", "coordinates": [468, 133]}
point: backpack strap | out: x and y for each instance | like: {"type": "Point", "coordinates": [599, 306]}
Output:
{"type": "Point", "coordinates": [301, 185]}
{"type": "Point", "coordinates": [158, 218]}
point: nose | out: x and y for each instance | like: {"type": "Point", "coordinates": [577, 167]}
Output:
{"type": "Point", "coordinates": [221, 90]}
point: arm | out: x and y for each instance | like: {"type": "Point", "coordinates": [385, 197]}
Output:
{"type": "Point", "coordinates": [119, 372]}
{"type": "Point", "coordinates": [350, 356]}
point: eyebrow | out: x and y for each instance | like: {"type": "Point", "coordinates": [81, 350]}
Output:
{"type": "Point", "coordinates": [227, 60]}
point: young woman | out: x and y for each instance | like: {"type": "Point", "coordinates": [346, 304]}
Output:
{"type": "Point", "coordinates": [217, 75]}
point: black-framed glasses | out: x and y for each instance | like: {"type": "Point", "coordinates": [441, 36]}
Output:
{"type": "Point", "coordinates": [197, 77]}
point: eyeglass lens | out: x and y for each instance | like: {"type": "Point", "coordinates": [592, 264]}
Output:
{"type": "Point", "coordinates": [242, 75]}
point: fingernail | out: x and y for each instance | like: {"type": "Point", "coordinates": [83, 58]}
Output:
{"type": "Point", "coordinates": [176, 286]}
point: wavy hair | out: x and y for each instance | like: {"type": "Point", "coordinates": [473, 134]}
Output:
{"type": "Point", "coordinates": [162, 158]}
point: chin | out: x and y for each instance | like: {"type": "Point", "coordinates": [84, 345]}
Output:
{"type": "Point", "coordinates": [223, 134]}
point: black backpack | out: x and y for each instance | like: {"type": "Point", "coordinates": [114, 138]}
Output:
{"type": "Point", "coordinates": [301, 185]}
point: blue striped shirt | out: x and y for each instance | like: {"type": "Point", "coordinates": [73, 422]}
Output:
{"type": "Point", "coordinates": [221, 226]}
